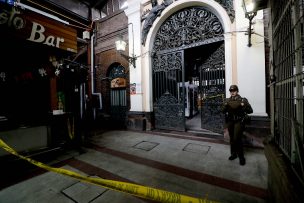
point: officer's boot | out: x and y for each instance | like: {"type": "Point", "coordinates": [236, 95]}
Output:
{"type": "Point", "coordinates": [232, 151]}
{"type": "Point", "coordinates": [242, 161]}
{"type": "Point", "coordinates": [241, 157]}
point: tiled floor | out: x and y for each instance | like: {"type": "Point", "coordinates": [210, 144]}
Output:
{"type": "Point", "coordinates": [193, 166]}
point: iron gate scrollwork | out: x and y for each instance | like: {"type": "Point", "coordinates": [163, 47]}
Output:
{"type": "Point", "coordinates": [212, 78]}
{"type": "Point", "coordinates": [188, 28]}
{"type": "Point", "coordinates": [168, 73]}
{"type": "Point", "coordinates": [150, 15]}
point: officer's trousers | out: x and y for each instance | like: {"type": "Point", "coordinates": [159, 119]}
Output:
{"type": "Point", "coordinates": [235, 129]}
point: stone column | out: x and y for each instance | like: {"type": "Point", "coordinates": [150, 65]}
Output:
{"type": "Point", "coordinates": [134, 29]}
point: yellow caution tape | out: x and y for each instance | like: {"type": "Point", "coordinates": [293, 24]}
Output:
{"type": "Point", "coordinates": [215, 96]}
{"type": "Point", "coordinates": [71, 128]}
{"type": "Point", "coordinates": [129, 188]}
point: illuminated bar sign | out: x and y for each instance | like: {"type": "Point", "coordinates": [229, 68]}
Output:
{"type": "Point", "coordinates": [37, 28]}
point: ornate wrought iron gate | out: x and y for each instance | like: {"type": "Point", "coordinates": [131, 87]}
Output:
{"type": "Point", "coordinates": [212, 89]}
{"type": "Point", "coordinates": [185, 29]}
{"type": "Point", "coordinates": [168, 74]}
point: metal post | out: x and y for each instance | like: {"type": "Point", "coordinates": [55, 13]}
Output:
{"type": "Point", "coordinates": [249, 33]}
{"type": "Point", "coordinates": [250, 18]}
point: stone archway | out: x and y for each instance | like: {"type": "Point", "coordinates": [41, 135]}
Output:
{"type": "Point", "coordinates": [187, 28]}
{"type": "Point", "coordinates": [217, 9]}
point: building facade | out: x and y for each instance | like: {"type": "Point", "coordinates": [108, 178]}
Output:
{"type": "Point", "coordinates": [191, 51]}
{"type": "Point", "coordinates": [181, 58]}
{"type": "Point", "coordinates": [44, 76]}
{"type": "Point", "coordinates": [209, 41]}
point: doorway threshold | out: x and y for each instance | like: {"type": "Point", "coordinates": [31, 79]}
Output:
{"type": "Point", "coordinates": [202, 133]}
{"type": "Point", "coordinates": [205, 133]}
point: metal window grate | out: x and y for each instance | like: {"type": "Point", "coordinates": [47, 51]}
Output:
{"type": "Point", "coordinates": [288, 38]}
{"type": "Point", "coordinates": [118, 97]}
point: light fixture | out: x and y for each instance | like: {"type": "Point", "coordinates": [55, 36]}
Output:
{"type": "Point", "coordinates": [250, 11]}
{"type": "Point", "coordinates": [121, 47]}
{"type": "Point", "coordinates": [85, 34]}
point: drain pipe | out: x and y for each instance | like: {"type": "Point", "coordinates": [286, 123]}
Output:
{"type": "Point", "coordinates": [92, 73]}
{"type": "Point", "coordinates": [93, 78]}
{"type": "Point", "coordinates": [92, 63]}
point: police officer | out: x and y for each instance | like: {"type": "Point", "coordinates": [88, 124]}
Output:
{"type": "Point", "coordinates": [236, 109]}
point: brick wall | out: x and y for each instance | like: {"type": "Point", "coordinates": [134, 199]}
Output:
{"type": "Point", "coordinates": [108, 31]}
{"type": "Point", "coordinates": [105, 60]}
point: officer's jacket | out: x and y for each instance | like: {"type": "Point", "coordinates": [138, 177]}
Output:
{"type": "Point", "coordinates": [234, 109]}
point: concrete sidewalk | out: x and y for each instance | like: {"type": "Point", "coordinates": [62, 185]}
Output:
{"type": "Point", "coordinates": [189, 165]}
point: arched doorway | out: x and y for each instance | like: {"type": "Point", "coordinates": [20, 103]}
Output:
{"type": "Point", "coordinates": [188, 68]}
{"type": "Point", "coordinates": [118, 93]}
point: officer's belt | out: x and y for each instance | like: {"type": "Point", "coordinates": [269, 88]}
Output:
{"type": "Point", "coordinates": [235, 117]}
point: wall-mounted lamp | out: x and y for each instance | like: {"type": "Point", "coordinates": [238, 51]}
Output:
{"type": "Point", "coordinates": [121, 47]}
{"type": "Point", "coordinates": [249, 7]}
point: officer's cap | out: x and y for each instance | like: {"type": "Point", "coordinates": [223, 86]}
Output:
{"type": "Point", "coordinates": [233, 88]}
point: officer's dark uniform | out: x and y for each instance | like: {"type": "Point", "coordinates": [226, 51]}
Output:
{"type": "Point", "coordinates": [235, 109]}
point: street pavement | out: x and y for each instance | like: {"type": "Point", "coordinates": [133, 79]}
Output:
{"type": "Point", "coordinates": [179, 163]}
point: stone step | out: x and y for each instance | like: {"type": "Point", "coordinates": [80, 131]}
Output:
{"type": "Point", "coordinates": [256, 131]}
